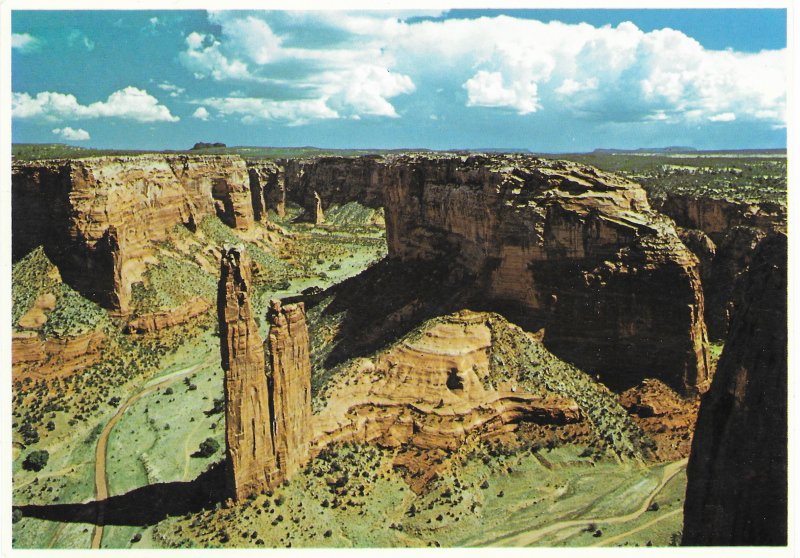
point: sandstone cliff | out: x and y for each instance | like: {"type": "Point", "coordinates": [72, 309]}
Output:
{"type": "Point", "coordinates": [737, 475]}
{"type": "Point", "coordinates": [250, 448]}
{"type": "Point", "coordinates": [155, 321]}
{"type": "Point", "coordinates": [268, 415]}
{"type": "Point", "coordinates": [33, 355]}
{"type": "Point", "coordinates": [336, 180]}
{"type": "Point", "coordinates": [571, 249]}
{"type": "Point", "coordinates": [432, 390]}
{"type": "Point", "coordinates": [715, 217]}
{"type": "Point", "coordinates": [98, 217]}
{"type": "Point", "coordinates": [267, 188]}
{"type": "Point", "coordinates": [731, 230]}
{"type": "Point", "coordinates": [289, 370]}
{"type": "Point", "coordinates": [566, 247]}
{"type": "Point", "coordinates": [732, 258]}
{"type": "Point", "coordinates": [318, 216]}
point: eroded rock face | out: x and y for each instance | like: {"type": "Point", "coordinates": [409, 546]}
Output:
{"type": "Point", "coordinates": [57, 356]}
{"type": "Point", "coordinates": [715, 217]}
{"type": "Point", "coordinates": [704, 248]}
{"type": "Point", "coordinates": [578, 251]}
{"type": "Point", "coordinates": [250, 447]}
{"type": "Point", "coordinates": [732, 258]}
{"type": "Point", "coordinates": [318, 216]}
{"type": "Point", "coordinates": [337, 180]}
{"type": "Point", "coordinates": [97, 218]}
{"type": "Point", "coordinates": [267, 394]}
{"type": "Point", "coordinates": [267, 188]}
{"type": "Point", "coordinates": [666, 417]}
{"type": "Point", "coordinates": [155, 321]}
{"type": "Point", "coordinates": [734, 228]}
{"type": "Point", "coordinates": [289, 369]}
{"type": "Point", "coordinates": [737, 475]}
{"type": "Point", "coordinates": [431, 391]}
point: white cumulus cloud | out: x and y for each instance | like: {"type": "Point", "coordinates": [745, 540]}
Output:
{"type": "Point", "coordinates": [172, 89]}
{"type": "Point", "coordinates": [204, 58]}
{"type": "Point", "coordinates": [72, 134]}
{"type": "Point", "coordinates": [309, 83]}
{"type": "Point", "coordinates": [723, 117]}
{"type": "Point", "coordinates": [321, 64]}
{"type": "Point", "coordinates": [250, 110]}
{"type": "Point", "coordinates": [201, 113]}
{"type": "Point", "coordinates": [129, 103]}
{"type": "Point", "coordinates": [24, 42]}
{"type": "Point", "coordinates": [487, 89]}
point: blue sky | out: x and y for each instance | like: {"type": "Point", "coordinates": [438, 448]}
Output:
{"type": "Point", "coordinates": [545, 80]}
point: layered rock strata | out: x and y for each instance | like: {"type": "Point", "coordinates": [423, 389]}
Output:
{"type": "Point", "coordinates": [432, 391]}
{"type": "Point", "coordinates": [267, 394]}
{"type": "Point", "coordinates": [737, 474]}
{"type": "Point", "coordinates": [580, 252]}
{"type": "Point", "coordinates": [250, 448]}
{"type": "Point", "coordinates": [715, 217]}
{"type": "Point", "coordinates": [98, 217]}
{"type": "Point", "coordinates": [289, 373]}
{"type": "Point", "coordinates": [267, 188]}
{"type": "Point", "coordinates": [155, 321]}
{"type": "Point", "coordinates": [32, 355]}
{"type": "Point", "coordinates": [731, 229]}
{"type": "Point", "coordinates": [336, 180]}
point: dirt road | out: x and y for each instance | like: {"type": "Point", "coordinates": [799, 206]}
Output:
{"type": "Point", "coordinates": [100, 479]}
{"type": "Point", "coordinates": [528, 538]}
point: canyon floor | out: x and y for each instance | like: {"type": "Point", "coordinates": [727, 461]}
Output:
{"type": "Point", "coordinates": [131, 424]}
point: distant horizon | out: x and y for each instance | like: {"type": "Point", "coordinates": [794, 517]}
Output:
{"type": "Point", "coordinates": [648, 149]}
{"type": "Point", "coordinates": [555, 81]}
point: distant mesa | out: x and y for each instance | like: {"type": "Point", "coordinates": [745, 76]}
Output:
{"type": "Point", "coordinates": [204, 145]}
{"type": "Point", "coordinates": [668, 149]}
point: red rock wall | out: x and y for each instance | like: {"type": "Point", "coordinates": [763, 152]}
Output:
{"type": "Point", "coordinates": [734, 228]}
{"type": "Point", "coordinates": [267, 394]}
{"type": "Point", "coordinates": [267, 188]}
{"type": "Point", "coordinates": [428, 391]}
{"type": "Point", "coordinates": [337, 180]}
{"type": "Point", "coordinates": [33, 355]}
{"type": "Point", "coordinates": [577, 251]}
{"type": "Point", "coordinates": [98, 217]}
{"type": "Point", "coordinates": [250, 448]}
{"type": "Point", "coordinates": [155, 321]}
{"type": "Point", "coordinates": [716, 217]}
{"type": "Point", "coordinates": [737, 475]}
{"type": "Point", "coordinates": [289, 367]}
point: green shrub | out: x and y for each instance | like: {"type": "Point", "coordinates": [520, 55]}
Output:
{"type": "Point", "coordinates": [208, 447]}
{"type": "Point", "coordinates": [29, 433]}
{"type": "Point", "coordinates": [36, 460]}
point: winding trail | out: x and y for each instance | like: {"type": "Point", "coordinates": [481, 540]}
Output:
{"type": "Point", "coordinates": [621, 536]}
{"type": "Point", "coordinates": [100, 477]}
{"type": "Point", "coordinates": [528, 538]}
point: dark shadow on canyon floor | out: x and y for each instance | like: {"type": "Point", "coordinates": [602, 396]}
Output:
{"type": "Point", "coordinates": [142, 506]}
